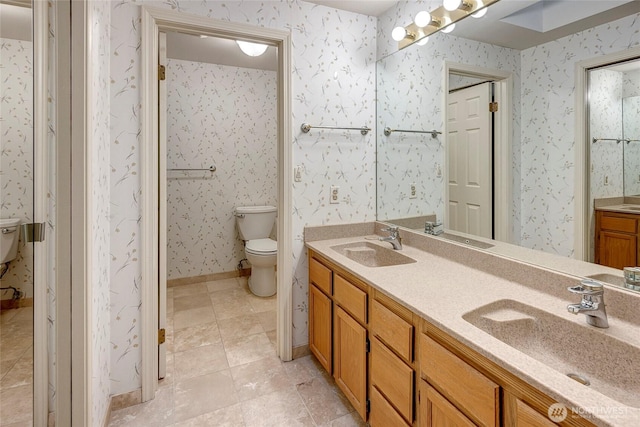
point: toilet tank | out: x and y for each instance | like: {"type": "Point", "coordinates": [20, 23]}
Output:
{"type": "Point", "coordinates": [255, 222]}
{"type": "Point", "coordinates": [9, 236]}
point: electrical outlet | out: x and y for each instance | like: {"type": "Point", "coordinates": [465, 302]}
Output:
{"type": "Point", "coordinates": [334, 197]}
{"type": "Point", "coordinates": [412, 191]}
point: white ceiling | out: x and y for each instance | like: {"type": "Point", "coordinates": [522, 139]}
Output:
{"type": "Point", "coordinates": [15, 22]}
{"type": "Point", "coordinates": [364, 7]}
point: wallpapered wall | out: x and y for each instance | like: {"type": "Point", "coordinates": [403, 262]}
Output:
{"type": "Point", "coordinates": [548, 130]}
{"type": "Point", "coordinates": [99, 176]}
{"type": "Point", "coordinates": [225, 116]}
{"type": "Point", "coordinates": [631, 113]}
{"type": "Point", "coordinates": [16, 156]}
{"type": "Point", "coordinates": [410, 95]}
{"type": "Point", "coordinates": [333, 79]}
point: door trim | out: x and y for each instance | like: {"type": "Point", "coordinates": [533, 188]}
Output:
{"type": "Point", "coordinates": [502, 159]}
{"type": "Point", "coordinates": [582, 198]}
{"type": "Point", "coordinates": [41, 208]}
{"type": "Point", "coordinates": [155, 19]}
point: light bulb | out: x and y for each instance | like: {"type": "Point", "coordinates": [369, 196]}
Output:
{"type": "Point", "coordinates": [480, 13]}
{"type": "Point", "coordinates": [451, 5]}
{"type": "Point", "coordinates": [252, 49]}
{"type": "Point", "coordinates": [398, 33]}
{"type": "Point", "coordinates": [422, 19]}
{"type": "Point", "coordinates": [449, 28]}
{"type": "Point", "coordinates": [422, 41]}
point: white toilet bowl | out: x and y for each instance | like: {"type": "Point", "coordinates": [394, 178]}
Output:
{"type": "Point", "coordinates": [263, 256]}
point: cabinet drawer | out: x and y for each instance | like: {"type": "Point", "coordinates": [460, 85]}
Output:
{"type": "Point", "coordinates": [382, 413]}
{"type": "Point", "coordinates": [467, 388]}
{"type": "Point", "coordinates": [526, 416]}
{"type": "Point", "coordinates": [351, 298]}
{"type": "Point", "coordinates": [320, 276]}
{"type": "Point", "coordinates": [436, 411]}
{"type": "Point", "coordinates": [393, 378]}
{"type": "Point", "coordinates": [625, 225]}
{"type": "Point", "coordinates": [393, 330]}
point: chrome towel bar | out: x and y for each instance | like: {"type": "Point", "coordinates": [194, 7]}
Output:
{"type": "Point", "coordinates": [211, 168]}
{"type": "Point", "coordinates": [306, 127]}
{"type": "Point", "coordinates": [434, 133]}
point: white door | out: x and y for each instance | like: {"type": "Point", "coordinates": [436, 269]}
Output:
{"type": "Point", "coordinates": [470, 161]}
{"type": "Point", "coordinates": [162, 194]}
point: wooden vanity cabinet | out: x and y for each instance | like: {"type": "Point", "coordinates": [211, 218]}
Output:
{"type": "Point", "coordinates": [616, 238]}
{"type": "Point", "coordinates": [436, 411]}
{"type": "Point", "coordinates": [320, 313]}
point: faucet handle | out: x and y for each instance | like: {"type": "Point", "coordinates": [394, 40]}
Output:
{"type": "Point", "coordinates": [391, 228]}
{"type": "Point", "coordinates": [587, 287]}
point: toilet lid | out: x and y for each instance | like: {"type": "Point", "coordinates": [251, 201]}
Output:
{"type": "Point", "coordinates": [262, 246]}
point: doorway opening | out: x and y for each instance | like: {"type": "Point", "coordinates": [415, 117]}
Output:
{"type": "Point", "coordinates": [155, 21]}
{"type": "Point", "coordinates": [497, 164]}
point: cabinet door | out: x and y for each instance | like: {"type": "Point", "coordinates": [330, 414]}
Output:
{"type": "Point", "coordinates": [526, 416]}
{"type": "Point", "coordinates": [393, 378]}
{"type": "Point", "coordinates": [382, 413]}
{"type": "Point", "coordinates": [617, 250]}
{"type": "Point", "coordinates": [320, 326]}
{"type": "Point", "coordinates": [350, 362]}
{"type": "Point", "coordinates": [436, 411]}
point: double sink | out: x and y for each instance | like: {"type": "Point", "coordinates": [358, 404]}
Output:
{"type": "Point", "coordinates": [594, 358]}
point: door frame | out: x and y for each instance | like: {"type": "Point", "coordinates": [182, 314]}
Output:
{"type": "Point", "coordinates": [582, 198]}
{"type": "Point", "coordinates": [154, 20]}
{"type": "Point", "coordinates": [502, 133]}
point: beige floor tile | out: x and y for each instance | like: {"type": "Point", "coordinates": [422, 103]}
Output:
{"type": "Point", "coordinates": [6, 365]}
{"type": "Point", "coordinates": [188, 290]}
{"type": "Point", "coordinates": [238, 327]}
{"type": "Point", "coordinates": [20, 374]}
{"type": "Point", "coordinates": [157, 412]}
{"type": "Point", "coordinates": [201, 395]}
{"type": "Point", "coordinates": [16, 404]}
{"type": "Point", "coordinates": [228, 308]}
{"type": "Point", "coordinates": [17, 349]}
{"type": "Point", "coordinates": [19, 424]}
{"type": "Point", "coordinates": [192, 317]}
{"type": "Point", "coordinates": [324, 402]}
{"type": "Point", "coordinates": [273, 338]}
{"type": "Point", "coordinates": [349, 420]}
{"type": "Point", "coordinates": [199, 361]}
{"type": "Point", "coordinates": [196, 336]}
{"type": "Point", "coordinates": [268, 320]}
{"type": "Point", "coordinates": [190, 301]}
{"type": "Point", "coordinates": [223, 285]}
{"type": "Point", "coordinates": [258, 378]}
{"type": "Point", "coordinates": [260, 304]}
{"type": "Point", "coordinates": [248, 349]}
{"type": "Point", "coordinates": [230, 416]}
{"type": "Point", "coordinates": [168, 380]}
{"type": "Point", "coordinates": [280, 408]}
{"type": "Point", "coordinates": [303, 369]}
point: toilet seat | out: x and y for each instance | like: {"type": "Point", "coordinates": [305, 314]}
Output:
{"type": "Point", "coordinates": [262, 247]}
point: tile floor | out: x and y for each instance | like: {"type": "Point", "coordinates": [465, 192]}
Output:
{"type": "Point", "coordinates": [222, 368]}
{"type": "Point", "coordinates": [16, 367]}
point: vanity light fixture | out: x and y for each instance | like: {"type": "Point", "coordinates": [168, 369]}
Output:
{"type": "Point", "coordinates": [449, 28]}
{"type": "Point", "coordinates": [424, 19]}
{"type": "Point", "coordinates": [252, 49]}
{"type": "Point", "coordinates": [452, 5]}
{"type": "Point", "coordinates": [480, 13]}
{"type": "Point", "coordinates": [423, 41]}
{"type": "Point", "coordinates": [401, 33]}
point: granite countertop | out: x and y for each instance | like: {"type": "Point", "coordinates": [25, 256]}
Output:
{"type": "Point", "coordinates": [449, 280]}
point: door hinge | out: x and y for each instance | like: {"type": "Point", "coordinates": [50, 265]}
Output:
{"type": "Point", "coordinates": [33, 232]}
{"type": "Point", "coordinates": [162, 336]}
{"type": "Point", "coordinates": [368, 405]}
{"type": "Point", "coordinates": [368, 346]}
{"type": "Point", "coordinates": [162, 72]}
{"type": "Point", "coordinates": [493, 107]}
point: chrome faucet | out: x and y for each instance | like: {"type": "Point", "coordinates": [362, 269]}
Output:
{"type": "Point", "coordinates": [592, 304]}
{"type": "Point", "coordinates": [393, 238]}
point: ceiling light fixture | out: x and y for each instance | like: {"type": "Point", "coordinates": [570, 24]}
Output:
{"type": "Point", "coordinates": [452, 5]}
{"type": "Point", "coordinates": [252, 49]}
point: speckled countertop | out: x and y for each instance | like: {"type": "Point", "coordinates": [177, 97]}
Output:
{"type": "Point", "coordinates": [450, 280]}
{"type": "Point", "coordinates": [621, 208]}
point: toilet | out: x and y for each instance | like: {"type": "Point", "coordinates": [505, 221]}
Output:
{"type": "Point", "coordinates": [255, 224]}
{"type": "Point", "coordinates": [9, 235]}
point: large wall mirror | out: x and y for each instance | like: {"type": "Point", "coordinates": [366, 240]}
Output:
{"type": "Point", "coordinates": [520, 56]}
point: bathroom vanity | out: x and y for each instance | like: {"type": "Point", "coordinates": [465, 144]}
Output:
{"type": "Point", "coordinates": [617, 235]}
{"type": "Point", "coordinates": [442, 334]}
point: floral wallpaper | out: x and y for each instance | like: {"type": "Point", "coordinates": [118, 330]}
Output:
{"type": "Point", "coordinates": [333, 82]}
{"type": "Point", "coordinates": [410, 97]}
{"type": "Point", "coordinates": [227, 117]}
{"type": "Point", "coordinates": [631, 123]}
{"type": "Point", "coordinates": [99, 176]}
{"type": "Point", "coordinates": [16, 154]}
{"type": "Point", "coordinates": [548, 138]}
